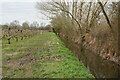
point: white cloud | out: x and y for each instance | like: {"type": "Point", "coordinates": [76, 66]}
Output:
{"type": "Point", "coordinates": [25, 0]}
{"type": "Point", "coordinates": [22, 11]}
{"type": "Point", "coordinates": [17, 0]}
{"type": "Point", "coordinates": [54, 0]}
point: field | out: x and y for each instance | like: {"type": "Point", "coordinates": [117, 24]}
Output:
{"type": "Point", "coordinates": [41, 56]}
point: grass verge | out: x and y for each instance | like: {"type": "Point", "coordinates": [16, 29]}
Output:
{"type": "Point", "coordinates": [42, 56]}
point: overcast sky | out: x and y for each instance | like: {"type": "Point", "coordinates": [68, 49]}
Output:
{"type": "Point", "coordinates": [21, 10]}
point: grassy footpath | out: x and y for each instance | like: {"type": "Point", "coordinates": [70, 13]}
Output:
{"type": "Point", "coordinates": [42, 56]}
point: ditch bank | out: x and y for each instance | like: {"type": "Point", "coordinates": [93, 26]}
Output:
{"type": "Point", "coordinates": [97, 65]}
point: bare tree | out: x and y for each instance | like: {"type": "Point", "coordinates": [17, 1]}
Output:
{"type": "Point", "coordinates": [25, 25]}
{"type": "Point", "coordinates": [105, 14]}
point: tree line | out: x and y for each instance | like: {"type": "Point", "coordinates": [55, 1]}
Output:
{"type": "Point", "coordinates": [17, 32]}
{"type": "Point", "coordinates": [86, 24]}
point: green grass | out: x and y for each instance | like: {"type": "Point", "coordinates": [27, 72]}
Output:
{"type": "Point", "coordinates": [38, 56]}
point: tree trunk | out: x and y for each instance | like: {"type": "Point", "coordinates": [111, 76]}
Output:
{"type": "Point", "coordinates": [16, 39]}
{"type": "Point", "coordinates": [105, 14]}
{"type": "Point", "coordinates": [9, 41]}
